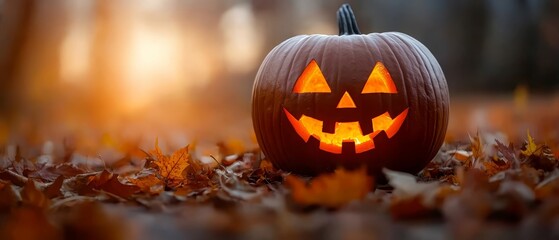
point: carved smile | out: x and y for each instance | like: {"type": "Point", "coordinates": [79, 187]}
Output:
{"type": "Point", "coordinates": [346, 131]}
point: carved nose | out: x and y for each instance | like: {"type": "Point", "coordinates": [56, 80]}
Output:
{"type": "Point", "coordinates": [346, 101]}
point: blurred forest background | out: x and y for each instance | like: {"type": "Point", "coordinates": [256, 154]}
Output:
{"type": "Point", "coordinates": [183, 69]}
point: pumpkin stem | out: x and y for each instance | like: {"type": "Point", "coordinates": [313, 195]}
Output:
{"type": "Point", "coordinates": [346, 21]}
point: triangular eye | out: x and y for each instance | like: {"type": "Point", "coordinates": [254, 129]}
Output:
{"type": "Point", "coordinates": [379, 81]}
{"type": "Point", "coordinates": [311, 80]}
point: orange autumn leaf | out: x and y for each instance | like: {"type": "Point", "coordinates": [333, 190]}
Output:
{"type": "Point", "coordinates": [331, 190]}
{"type": "Point", "coordinates": [171, 168]}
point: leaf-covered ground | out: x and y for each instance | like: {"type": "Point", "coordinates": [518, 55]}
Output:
{"type": "Point", "coordinates": [482, 188]}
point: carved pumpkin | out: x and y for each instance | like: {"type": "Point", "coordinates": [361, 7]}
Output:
{"type": "Point", "coordinates": [321, 101]}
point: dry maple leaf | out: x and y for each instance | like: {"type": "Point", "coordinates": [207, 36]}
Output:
{"type": "Point", "coordinates": [331, 190]}
{"type": "Point", "coordinates": [171, 168]}
{"type": "Point", "coordinates": [538, 156]}
{"type": "Point", "coordinates": [477, 150]}
{"type": "Point", "coordinates": [531, 146]}
{"type": "Point", "coordinates": [508, 153]}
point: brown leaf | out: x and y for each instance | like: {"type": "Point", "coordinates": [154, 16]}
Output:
{"type": "Point", "coordinates": [147, 181]}
{"type": "Point", "coordinates": [543, 159]}
{"type": "Point", "coordinates": [31, 196]}
{"type": "Point", "coordinates": [406, 186]}
{"type": "Point", "coordinates": [508, 153]}
{"type": "Point", "coordinates": [331, 190]}
{"type": "Point", "coordinates": [50, 173]}
{"type": "Point", "coordinates": [13, 177]}
{"type": "Point", "coordinates": [494, 166]}
{"type": "Point", "coordinates": [53, 189]}
{"type": "Point", "coordinates": [109, 182]}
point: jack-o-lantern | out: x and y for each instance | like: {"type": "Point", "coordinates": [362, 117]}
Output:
{"type": "Point", "coordinates": [321, 101]}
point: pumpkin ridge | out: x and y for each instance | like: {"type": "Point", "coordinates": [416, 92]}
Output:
{"type": "Point", "coordinates": [422, 60]}
{"type": "Point", "coordinates": [277, 116]}
{"type": "Point", "coordinates": [442, 111]}
{"type": "Point", "coordinates": [418, 62]}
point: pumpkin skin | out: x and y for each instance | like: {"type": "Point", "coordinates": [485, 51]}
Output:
{"type": "Point", "coordinates": [420, 100]}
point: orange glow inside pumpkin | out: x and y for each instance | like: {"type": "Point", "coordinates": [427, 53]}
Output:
{"type": "Point", "coordinates": [311, 80]}
{"type": "Point", "coordinates": [379, 81]}
{"type": "Point", "coordinates": [346, 101]}
{"type": "Point", "coordinates": [346, 131]}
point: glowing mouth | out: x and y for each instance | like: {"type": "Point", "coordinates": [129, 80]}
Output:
{"type": "Point", "coordinates": [346, 131]}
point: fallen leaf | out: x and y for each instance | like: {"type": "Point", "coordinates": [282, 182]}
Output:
{"type": "Point", "coordinates": [331, 190]}
{"type": "Point", "coordinates": [477, 147]}
{"type": "Point", "coordinates": [461, 155]}
{"type": "Point", "coordinates": [147, 181]}
{"type": "Point", "coordinates": [531, 147]}
{"type": "Point", "coordinates": [31, 196]}
{"type": "Point", "coordinates": [233, 185]}
{"type": "Point", "coordinates": [50, 173]}
{"type": "Point", "coordinates": [109, 182]}
{"type": "Point", "coordinates": [410, 198]}
{"type": "Point", "coordinates": [171, 168]}
{"type": "Point", "coordinates": [53, 189]}
{"type": "Point", "coordinates": [542, 159]}
{"type": "Point", "coordinates": [406, 185]}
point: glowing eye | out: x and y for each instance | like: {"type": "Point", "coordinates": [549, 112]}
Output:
{"type": "Point", "coordinates": [311, 80]}
{"type": "Point", "coordinates": [379, 81]}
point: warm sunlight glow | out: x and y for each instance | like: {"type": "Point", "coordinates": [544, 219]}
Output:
{"type": "Point", "coordinates": [311, 80]}
{"type": "Point", "coordinates": [243, 41]}
{"type": "Point", "coordinates": [346, 101]}
{"type": "Point", "coordinates": [152, 64]}
{"type": "Point", "coordinates": [379, 81]}
{"type": "Point", "coordinates": [75, 49]}
{"type": "Point", "coordinates": [345, 131]}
